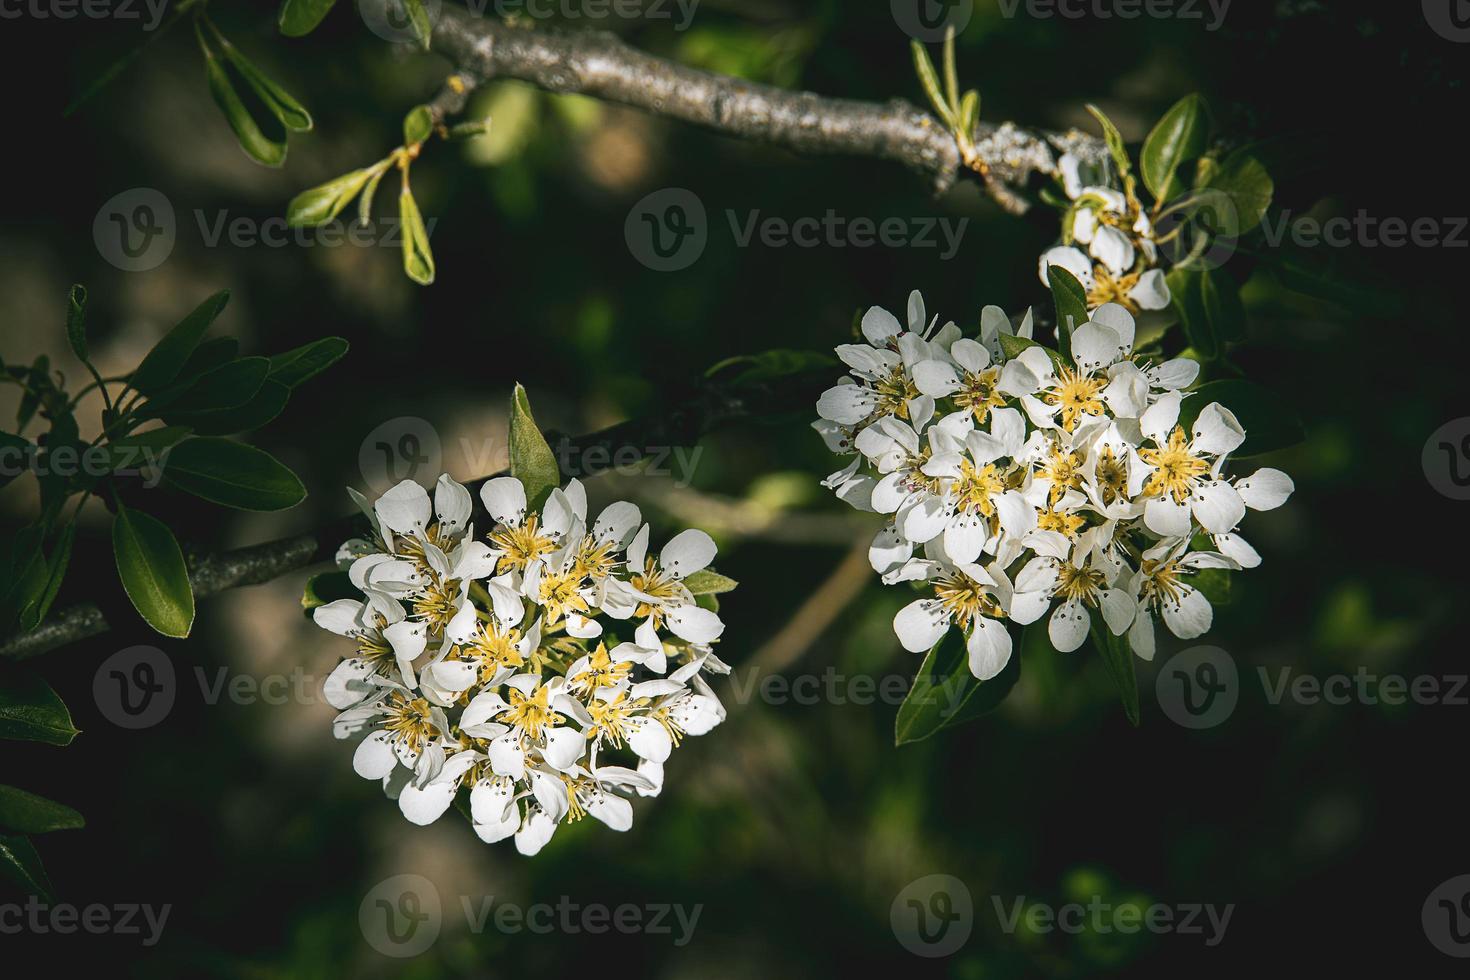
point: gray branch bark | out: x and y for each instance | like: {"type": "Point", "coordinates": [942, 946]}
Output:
{"type": "Point", "coordinates": [599, 64]}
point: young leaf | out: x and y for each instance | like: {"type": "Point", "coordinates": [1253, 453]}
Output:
{"type": "Point", "coordinates": [423, 28]}
{"type": "Point", "coordinates": [418, 260]}
{"type": "Point", "coordinates": [22, 865]}
{"type": "Point", "coordinates": [365, 202]}
{"type": "Point", "coordinates": [709, 582]}
{"type": "Point", "coordinates": [418, 125]}
{"type": "Point", "coordinates": [163, 363]}
{"type": "Point", "coordinates": [76, 321]}
{"type": "Point", "coordinates": [152, 570]}
{"type": "Point", "coordinates": [1187, 298]}
{"type": "Point", "coordinates": [139, 448]}
{"type": "Point", "coordinates": [307, 361]}
{"type": "Point", "coordinates": [1071, 303]}
{"type": "Point", "coordinates": [27, 813]}
{"type": "Point", "coordinates": [263, 149]}
{"type": "Point", "coordinates": [321, 204]}
{"type": "Point", "coordinates": [1117, 657]}
{"type": "Point", "coordinates": [1180, 136]}
{"type": "Point", "coordinates": [1013, 346]}
{"type": "Point", "coordinates": [1114, 139]}
{"type": "Point", "coordinates": [232, 474]}
{"type": "Point", "coordinates": [531, 459]}
{"type": "Point", "coordinates": [31, 711]}
{"type": "Point", "coordinates": [278, 101]}
{"type": "Point", "coordinates": [929, 79]}
{"type": "Point", "coordinates": [13, 447]}
{"type": "Point", "coordinates": [300, 17]}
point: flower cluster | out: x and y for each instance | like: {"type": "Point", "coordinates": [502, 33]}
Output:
{"type": "Point", "coordinates": [1108, 243]}
{"type": "Point", "coordinates": [484, 663]}
{"type": "Point", "coordinates": [1018, 485]}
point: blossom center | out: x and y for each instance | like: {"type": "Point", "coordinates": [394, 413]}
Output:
{"type": "Point", "coordinates": [1076, 394]}
{"type": "Point", "coordinates": [1175, 467]}
{"type": "Point", "coordinates": [519, 546]}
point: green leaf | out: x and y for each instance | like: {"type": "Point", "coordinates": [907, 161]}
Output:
{"type": "Point", "coordinates": [1117, 657]}
{"type": "Point", "coordinates": [307, 361]}
{"type": "Point", "coordinates": [328, 587]}
{"type": "Point", "coordinates": [25, 569]}
{"type": "Point", "coordinates": [324, 202]}
{"type": "Point", "coordinates": [418, 125]}
{"type": "Point", "coordinates": [232, 474]}
{"type": "Point", "coordinates": [770, 365]}
{"type": "Point", "coordinates": [418, 260]}
{"type": "Point", "coordinates": [929, 79]}
{"type": "Point", "coordinates": [1207, 302]}
{"type": "Point", "coordinates": [365, 202]}
{"type": "Point", "coordinates": [423, 28]}
{"type": "Point", "coordinates": [28, 813]}
{"type": "Point", "coordinates": [76, 321]}
{"type": "Point", "coordinates": [168, 356]}
{"type": "Point", "coordinates": [300, 17]}
{"type": "Point", "coordinates": [531, 459]}
{"type": "Point", "coordinates": [1270, 423]}
{"type": "Point", "coordinates": [986, 696]}
{"type": "Point", "coordinates": [1071, 302]}
{"type": "Point", "coordinates": [278, 101]}
{"type": "Point", "coordinates": [1180, 136]}
{"type": "Point", "coordinates": [209, 355]}
{"type": "Point", "coordinates": [39, 380]}
{"type": "Point", "coordinates": [709, 582]}
{"type": "Point", "coordinates": [269, 402]}
{"type": "Point", "coordinates": [152, 570]}
{"type": "Point", "coordinates": [269, 151]}
{"type": "Point", "coordinates": [10, 446]}
{"type": "Point", "coordinates": [137, 449]}
{"type": "Point", "coordinates": [56, 566]}
{"type": "Point", "coordinates": [31, 711]}
{"type": "Point", "coordinates": [970, 112]}
{"type": "Point", "coordinates": [1320, 276]}
{"type": "Point", "coordinates": [943, 689]}
{"type": "Point", "coordinates": [1114, 139]}
{"type": "Point", "coordinates": [22, 865]}
{"type": "Point", "coordinates": [1244, 179]}
{"type": "Point", "coordinates": [227, 386]}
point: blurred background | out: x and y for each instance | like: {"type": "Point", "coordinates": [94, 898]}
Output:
{"type": "Point", "coordinates": [797, 827]}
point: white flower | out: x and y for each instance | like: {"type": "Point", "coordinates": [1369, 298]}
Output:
{"type": "Point", "coordinates": [487, 665]}
{"type": "Point", "coordinates": [966, 596]}
{"type": "Point", "coordinates": [1181, 475]}
{"type": "Point", "coordinates": [1159, 586]}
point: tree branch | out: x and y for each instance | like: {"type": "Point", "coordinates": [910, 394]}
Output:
{"type": "Point", "coordinates": [599, 64]}
{"type": "Point", "coordinates": [710, 407]}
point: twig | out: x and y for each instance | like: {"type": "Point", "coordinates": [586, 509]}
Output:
{"type": "Point", "coordinates": [599, 64]}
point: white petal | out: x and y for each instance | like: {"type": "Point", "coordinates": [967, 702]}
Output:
{"type": "Point", "coordinates": [687, 552]}
{"type": "Point", "coordinates": [1118, 609]}
{"type": "Point", "coordinates": [1160, 418]}
{"type": "Point", "coordinates": [1217, 431]}
{"type": "Point", "coordinates": [535, 833]}
{"type": "Point", "coordinates": [920, 624]}
{"type": "Point", "coordinates": [374, 758]}
{"type": "Point", "coordinates": [612, 810]}
{"type": "Point", "coordinates": [1175, 374]}
{"type": "Point", "coordinates": [989, 647]}
{"type": "Point", "coordinates": [1113, 249]}
{"type": "Point", "coordinates": [452, 504]}
{"type": "Point", "coordinates": [1151, 292]}
{"type": "Point", "coordinates": [505, 498]}
{"type": "Point", "coordinates": [880, 326]}
{"type": "Point", "coordinates": [648, 739]}
{"type": "Point", "coordinates": [1265, 489]}
{"type": "Point", "coordinates": [616, 523]}
{"type": "Point", "coordinates": [1068, 626]}
{"type": "Point", "coordinates": [1217, 506]}
{"type": "Point", "coordinates": [1073, 260]}
{"type": "Point", "coordinates": [936, 378]}
{"type": "Point", "coordinates": [507, 758]}
{"type": "Point", "coordinates": [695, 624]}
{"type": "Point", "coordinates": [1191, 617]}
{"type": "Point", "coordinates": [563, 747]}
{"type": "Point", "coordinates": [424, 806]}
{"type": "Point", "coordinates": [341, 616]}
{"type": "Point", "coordinates": [1238, 549]}
{"type": "Point", "coordinates": [404, 508]}
{"type": "Point", "coordinates": [1095, 346]}
{"type": "Point", "coordinates": [1164, 517]}
{"type": "Point", "coordinates": [1141, 635]}
{"type": "Point", "coordinates": [348, 683]}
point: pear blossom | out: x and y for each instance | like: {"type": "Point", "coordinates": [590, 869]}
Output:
{"type": "Point", "coordinates": [501, 666]}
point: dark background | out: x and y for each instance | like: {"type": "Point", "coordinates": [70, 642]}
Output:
{"type": "Point", "coordinates": [795, 826]}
